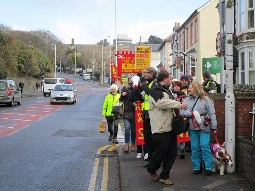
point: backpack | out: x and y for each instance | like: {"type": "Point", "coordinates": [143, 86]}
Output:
{"type": "Point", "coordinates": [218, 87]}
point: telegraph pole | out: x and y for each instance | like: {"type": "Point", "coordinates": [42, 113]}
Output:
{"type": "Point", "coordinates": [229, 97]}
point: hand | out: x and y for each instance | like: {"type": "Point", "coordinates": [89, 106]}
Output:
{"type": "Point", "coordinates": [134, 104]}
{"type": "Point", "coordinates": [103, 118]}
{"type": "Point", "coordinates": [184, 105]}
{"type": "Point", "coordinates": [124, 93]}
{"type": "Point", "coordinates": [214, 131]}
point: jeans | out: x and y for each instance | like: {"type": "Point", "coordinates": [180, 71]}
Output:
{"type": "Point", "coordinates": [200, 149]}
{"type": "Point", "coordinates": [129, 131]}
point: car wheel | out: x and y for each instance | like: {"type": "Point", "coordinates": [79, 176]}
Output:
{"type": "Point", "coordinates": [19, 103]}
{"type": "Point", "coordinates": [11, 104]}
{"type": "Point", "coordinates": [51, 103]}
{"type": "Point", "coordinates": [44, 94]}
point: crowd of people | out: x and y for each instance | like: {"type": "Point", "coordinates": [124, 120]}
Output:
{"type": "Point", "coordinates": [162, 97]}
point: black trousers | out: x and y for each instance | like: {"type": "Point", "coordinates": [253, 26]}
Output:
{"type": "Point", "coordinates": [113, 123]}
{"type": "Point", "coordinates": [165, 151]}
{"type": "Point", "coordinates": [148, 140]}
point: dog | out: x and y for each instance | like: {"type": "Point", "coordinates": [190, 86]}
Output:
{"type": "Point", "coordinates": [220, 158]}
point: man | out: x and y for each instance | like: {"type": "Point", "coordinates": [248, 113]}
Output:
{"type": "Point", "coordinates": [146, 83]}
{"type": "Point", "coordinates": [161, 115]}
{"type": "Point", "coordinates": [208, 83]}
{"type": "Point", "coordinates": [21, 85]}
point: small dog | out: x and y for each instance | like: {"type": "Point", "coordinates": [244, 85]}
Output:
{"type": "Point", "coordinates": [220, 158]}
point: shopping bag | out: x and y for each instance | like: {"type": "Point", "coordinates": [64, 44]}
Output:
{"type": "Point", "coordinates": [116, 109]}
{"type": "Point", "coordinates": [102, 126]}
{"type": "Point", "coordinates": [180, 124]}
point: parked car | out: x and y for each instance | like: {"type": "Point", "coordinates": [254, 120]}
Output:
{"type": "Point", "coordinates": [10, 93]}
{"type": "Point", "coordinates": [64, 93]}
{"type": "Point", "coordinates": [86, 76]}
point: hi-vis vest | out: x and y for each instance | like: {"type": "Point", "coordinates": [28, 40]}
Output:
{"type": "Point", "coordinates": [208, 83]}
{"type": "Point", "coordinates": [146, 105]}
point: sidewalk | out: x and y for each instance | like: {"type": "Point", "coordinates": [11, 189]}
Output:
{"type": "Point", "coordinates": [134, 177]}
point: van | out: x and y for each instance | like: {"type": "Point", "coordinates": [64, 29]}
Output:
{"type": "Point", "coordinates": [86, 76]}
{"type": "Point", "coordinates": [50, 83]}
{"type": "Point", "coordinates": [10, 93]}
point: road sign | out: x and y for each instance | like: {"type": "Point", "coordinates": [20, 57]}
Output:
{"type": "Point", "coordinates": [218, 44]}
{"type": "Point", "coordinates": [212, 64]}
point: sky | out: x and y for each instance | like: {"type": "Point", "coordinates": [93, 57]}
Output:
{"type": "Point", "coordinates": [89, 21]}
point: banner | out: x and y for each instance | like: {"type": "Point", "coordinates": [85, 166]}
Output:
{"type": "Point", "coordinates": [143, 57]}
{"type": "Point", "coordinates": [114, 72]}
{"type": "Point", "coordinates": [139, 123]}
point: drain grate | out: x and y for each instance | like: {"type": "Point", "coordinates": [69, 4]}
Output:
{"type": "Point", "coordinates": [74, 133]}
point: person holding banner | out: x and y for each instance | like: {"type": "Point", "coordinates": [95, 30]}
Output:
{"type": "Point", "coordinates": [128, 114]}
{"type": "Point", "coordinates": [161, 115]}
{"type": "Point", "coordinates": [146, 84]}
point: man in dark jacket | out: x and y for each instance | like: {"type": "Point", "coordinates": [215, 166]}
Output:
{"type": "Point", "coordinates": [209, 83]}
{"type": "Point", "coordinates": [146, 83]}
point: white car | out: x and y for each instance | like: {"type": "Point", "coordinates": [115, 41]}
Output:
{"type": "Point", "coordinates": [64, 93]}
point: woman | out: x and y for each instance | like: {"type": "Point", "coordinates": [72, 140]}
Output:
{"type": "Point", "coordinates": [110, 100]}
{"type": "Point", "coordinates": [198, 131]}
{"type": "Point", "coordinates": [128, 114]}
{"type": "Point", "coordinates": [179, 95]}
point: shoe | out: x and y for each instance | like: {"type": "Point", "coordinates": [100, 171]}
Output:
{"type": "Point", "coordinates": [166, 181]}
{"type": "Point", "coordinates": [114, 140]}
{"type": "Point", "coordinates": [146, 157]}
{"type": "Point", "coordinates": [196, 171]}
{"type": "Point", "coordinates": [154, 176]}
{"type": "Point", "coordinates": [182, 156]}
{"type": "Point", "coordinates": [110, 137]}
{"type": "Point", "coordinates": [126, 150]}
{"type": "Point", "coordinates": [208, 172]}
{"type": "Point", "coordinates": [133, 147]}
{"type": "Point", "coordinates": [139, 155]}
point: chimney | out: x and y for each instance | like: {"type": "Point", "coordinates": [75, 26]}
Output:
{"type": "Point", "coordinates": [178, 24]}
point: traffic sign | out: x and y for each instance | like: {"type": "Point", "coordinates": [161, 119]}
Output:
{"type": "Point", "coordinates": [212, 64]}
{"type": "Point", "coordinates": [218, 44]}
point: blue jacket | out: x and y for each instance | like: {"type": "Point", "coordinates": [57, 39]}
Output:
{"type": "Point", "coordinates": [204, 107]}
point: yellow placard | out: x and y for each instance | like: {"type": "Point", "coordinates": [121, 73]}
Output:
{"type": "Point", "coordinates": [143, 57]}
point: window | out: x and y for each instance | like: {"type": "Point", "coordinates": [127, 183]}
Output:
{"type": "Point", "coordinates": [192, 66]}
{"type": "Point", "coordinates": [183, 40]}
{"type": "Point", "coordinates": [187, 38]}
{"type": "Point", "coordinates": [196, 31]}
{"type": "Point", "coordinates": [242, 68]}
{"type": "Point", "coordinates": [251, 68]}
{"type": "Point", "coordinates": [191, 34]}
{"type": "Point", "coordinates": [246, 15]}
{"type": "Point", "coordinates": [180, 42]}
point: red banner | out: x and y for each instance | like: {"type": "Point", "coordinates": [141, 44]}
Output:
{"type": "Point", "coordinates": [114, 72]}
{"type": "Point", "coordinates": [139, 124]}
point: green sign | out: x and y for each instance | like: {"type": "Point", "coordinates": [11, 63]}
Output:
{"type": "Point", "coordinates": [212, 64]}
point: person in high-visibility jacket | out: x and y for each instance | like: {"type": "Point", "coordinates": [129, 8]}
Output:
{"type": "Point", "coordinates": [110, 100]}
{"type": "Point", "coordinates": [146, 83]}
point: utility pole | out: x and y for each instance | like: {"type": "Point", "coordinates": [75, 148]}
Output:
{"type": "Point", "coordinates": [55, 65]}
{"type": "Point", "coordinates": [140, 40]}
{"type": "Point", "coordinates": [102, 71]}
{"type": "Point", "coordinates": [229, 97]}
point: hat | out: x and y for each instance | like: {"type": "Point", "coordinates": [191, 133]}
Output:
{"type": "Point", "coordinates": [184, 77]}
{"type": "Point", "coordinates": [207, 75]}
{"type": "Point", "coordinates": [151, 70]}
{"type": "Point", "coordinates": [175, 80]}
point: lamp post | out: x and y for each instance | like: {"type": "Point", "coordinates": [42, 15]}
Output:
{"type": "Point", "coordinates": [110, 66]}
{"type": "Point", "coordinates": [55, 61]}
{"type": "Point", "coordinates": [116, 43]}
{"type": "Point", "coordinates": [75, 62]}
{"type": "Point", "coordinates": [102, 71]}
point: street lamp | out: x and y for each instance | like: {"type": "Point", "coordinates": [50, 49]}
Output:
{"type": "Point", "coordinates": [75, 62]}
{"type": "Point", "coordinates": [110, 76]}
{"type": "Point", "coordinates": [102, 78]}
{"type": "Point", "coordinates": [116, 43]}
{"type": "Point", "coordinates": [55, 61]}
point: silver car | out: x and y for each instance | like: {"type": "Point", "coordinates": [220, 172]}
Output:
{"type": "Point", "coordinates": [64, 93]}
{"type": "Point", "coordinates": [10, 93]}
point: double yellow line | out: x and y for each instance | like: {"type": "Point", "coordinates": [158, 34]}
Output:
{"type": "Point", "coordinates": [104, 183]}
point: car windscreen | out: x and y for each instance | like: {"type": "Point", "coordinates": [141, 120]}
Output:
{"type": "Point", "coordinates": [63, 88]}
{"type": "Point", "coordinates": [50, 81]}
{"type": "Point", "coordinates": [3, 86]}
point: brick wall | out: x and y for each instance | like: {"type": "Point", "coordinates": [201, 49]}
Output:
{"type": "Point", "coordinates": [245, 145]}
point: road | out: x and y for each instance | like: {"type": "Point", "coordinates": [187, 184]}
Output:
{"type": "Point", "coordinates": [57, 147]}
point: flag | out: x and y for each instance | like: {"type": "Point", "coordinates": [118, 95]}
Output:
{"type": "Point", "coordinates": [114, 72]}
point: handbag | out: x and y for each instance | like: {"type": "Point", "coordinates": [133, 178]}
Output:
{"type": "Point", "coordinates": [102, 126]}
{"type": "Point", "coordinates": [179, 124]}
{"type": "Point", "coordinates": [116, 109]}
{"type": "Point", "coordinates": [122, 109]}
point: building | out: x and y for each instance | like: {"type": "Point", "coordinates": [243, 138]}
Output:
{"type": "Point", "coordinates": [195, 40]}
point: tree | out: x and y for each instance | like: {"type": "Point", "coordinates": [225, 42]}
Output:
{"type": "Point", "coordinates": [154, 40]}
